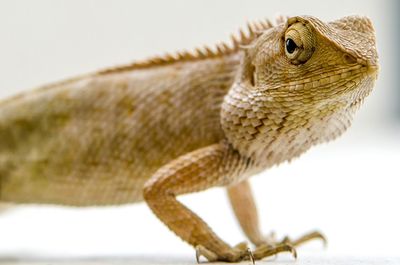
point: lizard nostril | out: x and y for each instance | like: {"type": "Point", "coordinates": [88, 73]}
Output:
{"type": "Point", "coordinates": [349, 59]}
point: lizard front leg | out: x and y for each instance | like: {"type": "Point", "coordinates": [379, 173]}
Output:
{"type": "Point", "coordinates": [244, 207]}
{"type": "Point", "coordinates": [215, 165]}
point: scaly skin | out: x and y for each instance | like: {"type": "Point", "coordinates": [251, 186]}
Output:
{"type": "Point", "coordinates": [187, 122]}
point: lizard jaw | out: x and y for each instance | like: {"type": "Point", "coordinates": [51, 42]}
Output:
{"type": "Point", "coordinates": [365, 88]}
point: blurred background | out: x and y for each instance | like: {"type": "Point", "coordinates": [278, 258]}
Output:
{"type": "Point", "coordinates": [349, 189]}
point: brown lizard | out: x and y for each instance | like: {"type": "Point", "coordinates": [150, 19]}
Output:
{"type": "Point", "coordinates": [186, 122]}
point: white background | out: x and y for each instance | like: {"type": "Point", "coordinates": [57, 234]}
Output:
{"type": "Point", "coordinates": [349, 188]}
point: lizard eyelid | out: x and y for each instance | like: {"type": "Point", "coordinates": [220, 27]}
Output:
{"type": "Point", "coordinates": [299, 43]}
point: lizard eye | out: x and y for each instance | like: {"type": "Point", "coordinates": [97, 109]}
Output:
{"type": "Point", "coordinates": [290, 46]}
{"type": "Point", "coordinates": [299, 43]}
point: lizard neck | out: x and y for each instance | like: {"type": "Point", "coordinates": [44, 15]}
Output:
{"type": "Point", "coordinates": [271, 128]}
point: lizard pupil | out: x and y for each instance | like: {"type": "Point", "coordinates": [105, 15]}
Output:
{"type": "Point", "coordinates": [290, 46]}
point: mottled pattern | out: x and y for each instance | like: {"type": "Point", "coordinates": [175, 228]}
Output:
{"type": "Point", "coordinates": [187, 122]}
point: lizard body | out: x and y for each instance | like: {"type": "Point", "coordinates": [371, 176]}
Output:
{"type": "Point", "coordinates": [187, 122]}
{"type": "Point", "coordinates": [103, 146]}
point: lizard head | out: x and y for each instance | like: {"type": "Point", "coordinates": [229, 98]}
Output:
{"type": "Point", "coordinates": [300, 81]}
{"type": "Point", "coordinates": [324, 61]}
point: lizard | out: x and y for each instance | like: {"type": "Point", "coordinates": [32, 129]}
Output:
{"type": "Point", "coordinates": [181, 123]}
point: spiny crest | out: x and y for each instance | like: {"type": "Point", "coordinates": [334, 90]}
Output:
{"type": "Point", "coordinates": [244, 38]}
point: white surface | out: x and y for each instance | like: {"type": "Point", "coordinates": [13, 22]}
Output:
{"type": "Point", "coordinates": [349, 189]}
{"type": "Point", "coordinates": [167, 260]}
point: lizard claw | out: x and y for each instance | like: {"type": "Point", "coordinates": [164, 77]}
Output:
{"type": "Point", "coordinates": [251, 256]}
{"type": "Point", "coordinates": [198, 255]}
{"type": "Point", "coordinates": [293, 252]}
{"type": "Point", "coordinates": [202, 251]}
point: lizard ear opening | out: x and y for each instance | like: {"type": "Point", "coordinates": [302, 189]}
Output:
{"type": "Point", "coordinates": [252, 75]}
{"type": "Point", "coordinates": [248, 75]}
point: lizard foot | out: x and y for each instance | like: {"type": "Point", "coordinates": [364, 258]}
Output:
{"type": "Point", "coordinates": [241, 252]}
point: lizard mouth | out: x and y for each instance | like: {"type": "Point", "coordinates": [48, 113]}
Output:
{"type": "Point", "coordinates": [373, 70]}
